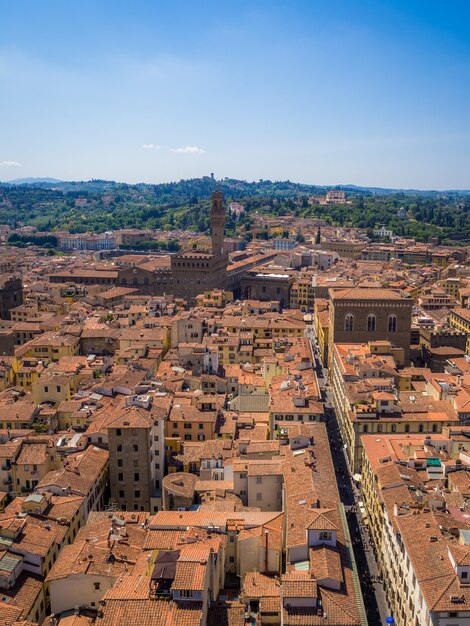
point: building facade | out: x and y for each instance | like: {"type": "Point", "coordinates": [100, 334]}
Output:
{"type": "Point", "coordinates": [362, 315]}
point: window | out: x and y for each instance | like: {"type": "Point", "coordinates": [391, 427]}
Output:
{"type": "Point", "coordinates": [394, 428]}
{"type": "Point", "coordinates": [136, 477]}
{"type": "Point", "coordinates": [259, 480]}
{"type": "Point", "coordinates": [231, 559]}
{"type": "Point", "coordinates": [464, 575]}
{"type": "Point", "coordinates": [119, 448]}
{"type": "Point", "coordinates": [134, 432]}
{"type": "Point", "coordinates": [420, 428]}
{"type": "Point", "coordinates": [365, 428]}
{"type": "Point", "coordinates": [434, 428]}
{"type": "Point", "coordinates": [121, 493]}
{"type": "Point", "coordinates": [201, 426]}
{"type": "Point", "coordinates": [46, 389]}
{"type": "Point", "coordinates": [118, 432]}
{"type": "Point", "coordinates": [371, 323]}
{"type": "Point", "coordinates": [259, 496]}
{"type": "Point", "coordinates": [137, 493]}
{"type": "Point", "coordinates": [187, 426]}
{"type": "Point", "coordinates": [349, 323]}
{"type": "Point", "coordinates": [325, 535]}
{"type": "Point", "coordinates": [155, 438]}
{"type": "Point", "coordinates": [392, 323]}
{"type": "Point", "coordinates": [119, 462]}
{"type": "Point", "coordinates": [135, 447]}
{"type": "Point", "coordinates": [407, 428]}
{"type": "Point", "coordinates": [157, 466]}
{"type": "Point", "coordinates": [120, 476]}
{"type": "Point", "coordinates": [97, 586]}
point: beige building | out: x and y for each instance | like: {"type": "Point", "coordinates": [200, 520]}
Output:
{"type": "Point", "coordinates": [367, 398]}
{"type": "Point", "coordinates": [419, 531]}
{"type": "Point", "coordinates": [35, 460]}
{"type": "Point", "coordinates": [264, 485]}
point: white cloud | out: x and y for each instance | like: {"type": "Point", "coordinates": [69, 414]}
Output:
{"type": "Point", "coordinates": [188, 150]}
{"type": "Point", "coordinates": [150, 146]}
{"type": "Point", "coordinates": [10, 164]}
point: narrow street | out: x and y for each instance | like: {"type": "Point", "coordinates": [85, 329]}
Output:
{"type": "Point", "coordinates": [372, 589]}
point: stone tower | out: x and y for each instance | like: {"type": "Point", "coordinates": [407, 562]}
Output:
{"type": "Point", "coordinates": [217, 218]}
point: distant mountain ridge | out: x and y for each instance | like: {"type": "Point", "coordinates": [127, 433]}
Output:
{"type": "Point", "coordinates": [32, 181]}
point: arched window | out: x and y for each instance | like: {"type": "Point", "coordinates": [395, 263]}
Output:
{"type": "Point", "coordinates": [392, 323]}
{"type": "Point", "coordinates": [349, 323]}
{"type": "Point", "coordinates": [371, 323]}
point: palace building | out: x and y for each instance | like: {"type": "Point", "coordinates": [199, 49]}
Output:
{"type": "Point", "coordinates": [194, 273]}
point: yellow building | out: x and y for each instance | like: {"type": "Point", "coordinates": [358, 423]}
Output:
{"type": "Point", "coordinates": [193, 422]}
{"type": "Point", "coordinates": [66, 510]}
{"type": "Point", "coordinates": [71, 414]}
{"type": "Point", "coordinates": [217, 298]}
{"type": "Point", "coordinates": [53, 388]}
{"type": "Point", "coordinates": [19, 415]}
{"type": "Point", "coordinates": [460, 319]}
{"type": "Point", "coordinates": [452, 286]}
{"type": "Point", "coordinates": [50, 346]}
{"type": "Point", "coordinates": [34, 461]}
{"type": "Point", "coordinates": [27, 372]}
{"type": "Point", "coordinates": [140, 339]}
{"type": "Point", "coordinates": [322, 327]}
{"type": "Point", "coordinates": [7, 372]}
{"type": "Point", "coordinates": [302, 295]}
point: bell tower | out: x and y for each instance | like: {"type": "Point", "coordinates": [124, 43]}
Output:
{"type": "Point", "coordinates": [217, 219]}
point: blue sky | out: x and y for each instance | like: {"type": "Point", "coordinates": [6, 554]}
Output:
{"type": "Point", "coordinates": [369, 92]}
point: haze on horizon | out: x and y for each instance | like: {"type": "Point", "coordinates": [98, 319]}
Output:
{"type": "Point", "coordinates": [323, 92]}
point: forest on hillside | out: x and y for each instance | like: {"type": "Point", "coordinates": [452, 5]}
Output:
{"type": "Point", "coordinates": [106, 205]}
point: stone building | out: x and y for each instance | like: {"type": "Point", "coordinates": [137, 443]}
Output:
{"type": "Point", "coordinates": [196, 272]}
{"type": "Point", "coordinates": [11, 294]}
{"type": "Point", "coordinates": [362, 315]}
{"type": "Point", "coordinates": [440, 345]}
{"type": "Point", "coordinates": [267, 286]}
{"type": "Point", "coordinates": [136, 459]}
{"type": "Point", "coordinates": [152, 277]}
{"type": "Point", "coordinates": [178, 491]}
